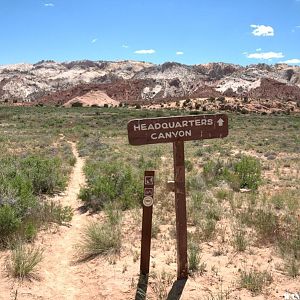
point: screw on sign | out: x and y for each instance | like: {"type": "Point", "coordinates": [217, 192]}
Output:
{"type": "Point", "coordinates": [177, 130]}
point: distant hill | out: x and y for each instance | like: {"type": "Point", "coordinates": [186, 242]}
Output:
{"type": "Point", "coordinates": [49, 82]}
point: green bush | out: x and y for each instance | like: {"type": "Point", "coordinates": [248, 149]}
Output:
{"type": "Point", "coordinates": [189, 165]}
{"type": "Point", "coordinates": [30, 231]}
{"type": "Point", "coordinates": [53, 212]}
{"type": "Point", "coordinates": [9, 222]}
{"type": "Point", "coordinates": [248, 170]}
{"type": "Point", "coordinates": [212, 171]}
{"type": "Point", "coordinates": [109, 183]}
{"type": "Point", "coordinates": [194, 256]}
{"type": "Point", "coordinates": [255, 281]}
{"type": "Point", "coordinates": [240, 239]}
{"type": "Point", "coordinates": [44, 174]}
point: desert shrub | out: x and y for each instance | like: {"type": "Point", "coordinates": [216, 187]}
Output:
{"type": "Point", "coordinates": [286, 199]}
{"type": "Point", "coordinates": [54, 212]}
{"type": "Point", "coordinates": [208, 227]}
{"type": "Point", "coordinates": [255, 281]}
{"type": "Point", "coordinates": [9, 222]}
{"type": "Point", "coordinates": [223, 194]}
{"type": "Point", "coordinates": [196, 183]}
{"type": "Point", "coordinates": [265, 223]}
{"type": "Point", "coordinates": [21, 180]}
{"type": "Point", "coordinates": [213, 171]}
{"type": "Point", "coordinates": [232, 178]}
{"type": "Point", "coordinates": [72, 161]}
{"type": "Point", "coordinates": [76, 104]}
{"type": "Point", "coordinates": [44, 174]}
{"type": "Point", "coordinates": [199, 152]}
{"type": "Point", "coordinates": [26, 177]}
{"type": "Point", "coordinates": [155, 230]}
{"type": "Point", "coordinates": [24, 260]}
{"type": "Point", "coordinates": [248, 170]}
{"type": "Point", "coordinates": [195, 205]}
{"type": "Point", "coordinates": [99, 239]}
{"type": "Point", "coordinates": [239, 239]}
{"type": "Point", "coordinates": [289, 240]}
{"type": "Point", "coordinates": [114, 183]}
{"type": "Point", "coordinates": [30, 230]}
{"type": "Point", "coordinates": [193, 256]}
{"type": "Point", "coordinates": [189, 165]}
{"type": "Point", "coordinates": [113, 213]}
{"type": "Point", "coordinates": [292, 267]}
{"type": "Point", "coordinates": [146, 164]}
{"type": "Point", "coordinates": [204, 212]}
{"type": "Point", "coordinates": [160, 283]}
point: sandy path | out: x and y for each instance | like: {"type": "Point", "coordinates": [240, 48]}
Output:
{"type": "Point", "coordinates": [59, 276]}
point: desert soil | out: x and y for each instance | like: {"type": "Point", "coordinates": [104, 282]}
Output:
{"type": "Point", "coordinates": [59, 275]}
{"type": "Point", "coordinates": [62, 277]}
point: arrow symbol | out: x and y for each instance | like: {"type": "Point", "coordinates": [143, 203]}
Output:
{"type": "Point", "coordinates": [220, 122]}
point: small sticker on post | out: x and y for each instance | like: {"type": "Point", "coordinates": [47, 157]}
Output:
{"type": "Point", "coordinates": [149, 180]}
{"type": "Point", "coordinates": [148, 192]}
{"type": "Point", "coordinates": [148, 201]}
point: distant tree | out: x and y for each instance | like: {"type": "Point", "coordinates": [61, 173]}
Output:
{"type": "Point", "coordinates": [75, 104]}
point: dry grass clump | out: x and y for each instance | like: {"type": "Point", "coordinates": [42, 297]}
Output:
{"type": "Point", "coordinates": [160, 283]}
{"type": "Point", "coordinates": [102, 238]}
{"type": "Point", "coordinates": [99, 239]}
{"type": "Point", "coordinates": [24, 260]}
{"type": "Point", "coordinates": [254, 280]}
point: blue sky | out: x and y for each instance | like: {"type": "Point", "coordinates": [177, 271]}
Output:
{"type": "Point", "coordinates": [187, 31]}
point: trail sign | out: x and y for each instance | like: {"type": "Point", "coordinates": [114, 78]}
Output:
{"type": "Point", "coordinates": [147, 221]}
{"type": "Point", "coordinates": [172, 129]}
{"type": "Point", "coordinates": [175, 130]}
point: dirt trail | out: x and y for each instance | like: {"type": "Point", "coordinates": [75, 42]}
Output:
{"type": "Point", "coordinates": [60, 276]}
{"type": "Point", "coordinates": [59, 272]}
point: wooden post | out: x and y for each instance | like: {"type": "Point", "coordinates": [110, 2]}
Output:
{"type": "Point", "coordinates": [180, 207]}
{"type": "Point", "coordinates": [147, 221]}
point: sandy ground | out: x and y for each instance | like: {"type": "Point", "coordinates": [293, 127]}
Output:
{"type": "Point", "coordinates": [60, 277]}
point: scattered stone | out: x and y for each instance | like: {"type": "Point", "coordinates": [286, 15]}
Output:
{"type": "Point", "coordinates": [244, 190]}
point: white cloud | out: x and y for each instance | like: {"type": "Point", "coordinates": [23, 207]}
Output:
{"type": "Point", "coordinates": [146, 51]}
{"type": "Point", "coordinates": [125, 46]}
{"type": "Point", "coordinates": [49, 4]}
{"type": "Point", "coordinates": [262, 30]}
{"type": "Point", "coordinates": [291, 61]}
{"type": "Point", "coordinates": [265, 55]}
{"type": "Point", "coordinates": [179, 53]}
{"type": "Point", "coordinates": [93, 41]}
{"type": "Point", "coordinates": [258, 49]}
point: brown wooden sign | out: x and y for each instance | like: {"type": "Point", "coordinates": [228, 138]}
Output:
{"type": "Point", "coordinates": [173, 129]}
